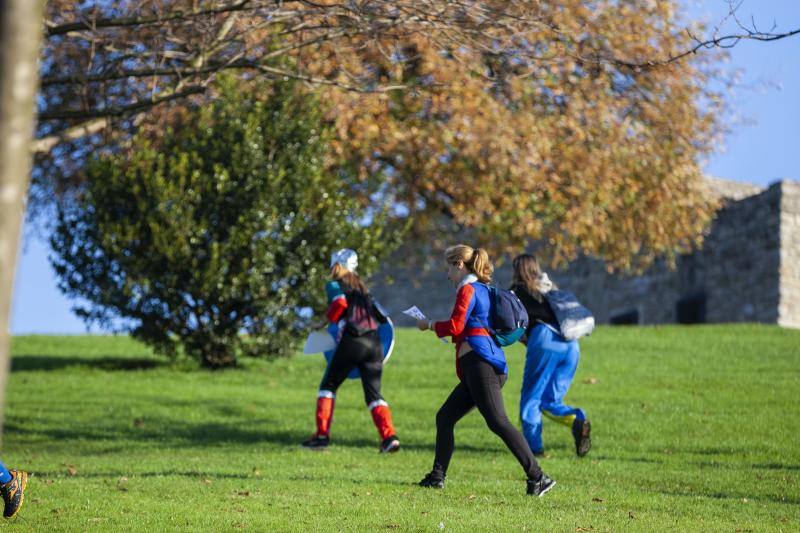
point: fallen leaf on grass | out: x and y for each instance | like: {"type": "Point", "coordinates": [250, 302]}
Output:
{"type": "Point", "coordinates": [72, 470]}
{"type": "Point", "coordinates": [631, 515]}
{"type": "Point", "coordinates": [243, 493]}
{"type": "Point", "coordinates": [471, 497]}
{"type": "Point", "coordinates": [590, 381]}
{"type": "Point", "coordinates": [598, 500]}
{"type": "Point", "coordinates": [590, 528]}
{"type": "Point", "coordinates": [207, 481]}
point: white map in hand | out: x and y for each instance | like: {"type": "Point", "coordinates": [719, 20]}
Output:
{"type": "Point", "coordinates": [414, 312]}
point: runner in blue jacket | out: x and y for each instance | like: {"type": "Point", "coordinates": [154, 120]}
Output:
{"type": "Point", "coordinates": [481, 369]}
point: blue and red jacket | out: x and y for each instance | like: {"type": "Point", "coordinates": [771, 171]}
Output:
{"type": "Point", "coordinates": [337, 301]}
{"type": "Point", "coordinates": [468, 324]}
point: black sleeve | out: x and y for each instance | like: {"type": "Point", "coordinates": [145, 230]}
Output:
{"type": "Point", "coordinates": [537, 311]}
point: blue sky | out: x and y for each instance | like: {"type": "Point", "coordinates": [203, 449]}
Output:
{"type": "Point", "coordinates": [764, 146]}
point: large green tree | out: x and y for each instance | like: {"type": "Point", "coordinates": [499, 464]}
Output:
{"type": "Point", "coordinates": [213, 237]}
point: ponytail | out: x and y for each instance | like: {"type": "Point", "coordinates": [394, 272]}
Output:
{"type": "Point", "coordinates": [475, 259]}
{"type": "Point", "coordinates": [481, 266]}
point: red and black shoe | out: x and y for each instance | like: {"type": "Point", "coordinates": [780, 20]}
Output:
{"type": "Point", "coordinates": [317, 442]}
{"type": "Point", "coordinates": [14, 493]}
{"type": "Point", "coordinates": [390, 444]}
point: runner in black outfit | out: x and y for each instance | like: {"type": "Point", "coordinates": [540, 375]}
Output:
{"type": "Point", "coordinates": [360, 347]}
{"type": "Point", "coordinates": [481, 367]}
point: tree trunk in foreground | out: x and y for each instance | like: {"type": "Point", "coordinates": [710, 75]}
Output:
{"type": "Point", "coordinates": [20, 37]}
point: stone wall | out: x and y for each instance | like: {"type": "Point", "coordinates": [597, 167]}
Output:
{"type": "Point", "coordinates": [747, 271]}
{"type": "Point", "coordinates": [741, 260]}
{"type": "Point", "coordinates": [789, 308]}
{"type": "Point", "coordinates": [729, 189]}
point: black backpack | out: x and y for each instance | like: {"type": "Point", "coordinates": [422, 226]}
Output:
{"type": "Point", "coordinates": [508, 316]}
{"type": "Point", "coordinates": [363, 315]}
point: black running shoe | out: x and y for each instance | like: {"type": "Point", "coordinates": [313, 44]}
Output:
{"type": "Point", "coordinates": [539, 488]}
{"type": "Point", "coordinates": [390, 444]}
{"type": "Point", "coordinates": [14, 493]}
{"type": "Point", "coordinates": [433, 481]}
{"type": "Point", "coordinates": [581, 432]}
{"type": "Point", "coordinates": [317, 442]}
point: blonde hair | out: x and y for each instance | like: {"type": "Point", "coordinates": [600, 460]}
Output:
{"type": "Point", "coordinates": [475, 259]}
{"type": "Point", "coordinates": [529, 274]}
{"type": "Point", "coordinates": [350, 279]}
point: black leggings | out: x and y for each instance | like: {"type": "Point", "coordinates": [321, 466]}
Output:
{"type": "Point", "coordinates": [480, 387]}
{"type": "Point", "coordinates": [364, 352]}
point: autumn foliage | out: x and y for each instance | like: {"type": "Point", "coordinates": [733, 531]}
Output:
{"type": "Point", "coordinates": [585, 158]}
{"type": "Point", "coordinates": [567, 123]}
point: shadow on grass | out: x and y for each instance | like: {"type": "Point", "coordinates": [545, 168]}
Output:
{"type": "Point", "coordinates": [776, 466]}
{"type": "Point", "coordinates": [745, 466]}
{"type": "Point", "coordinates": [48, 363]}
{"type": "Point", "coordinates": [210, 476]}
{"type": "Point", "coordinates": [169, 433]}
{"type": "Point", "coordinates": [741, 496]}
{"type": "Point", "coordinates": [625, 459]}
{"type": "Point", "coordinates": [126, 473]}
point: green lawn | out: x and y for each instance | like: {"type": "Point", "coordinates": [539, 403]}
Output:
{"type": "Point", "coordinates": [695, 428]}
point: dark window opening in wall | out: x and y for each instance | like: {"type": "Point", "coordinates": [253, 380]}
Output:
{"type": "Point", "coordinates": [625, 318]}
{"type": "Point", "coordinates": [691, 309]}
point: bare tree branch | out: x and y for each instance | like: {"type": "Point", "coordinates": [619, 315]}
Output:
{"type": "Point", "coordinates": [127, 22]}
{"type": "Point", "coordinates": [84, 129]}
{"type": "Point", "coordinates": [118, 111]}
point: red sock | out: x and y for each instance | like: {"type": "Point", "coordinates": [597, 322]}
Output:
{"type": "Point", "coordinates": [382, 416]}
{"type": "Point", "coordinates": [324, 415]}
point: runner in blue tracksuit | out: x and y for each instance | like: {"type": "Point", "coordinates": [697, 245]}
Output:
{"type": "Point", "coordinates": [12, 489]}
{"type": "Point", "coordinates": [550, 363]}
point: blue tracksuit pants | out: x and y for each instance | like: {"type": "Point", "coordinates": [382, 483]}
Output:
{"type": "Point", "coordinates": [550, 365]}
{"type": "Point", "coordinates": [5, 475]}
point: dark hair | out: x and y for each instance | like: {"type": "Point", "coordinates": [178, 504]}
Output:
{"type": "Point", "coordinates": [528, 273]}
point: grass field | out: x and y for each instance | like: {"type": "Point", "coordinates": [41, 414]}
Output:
{"type": "Point", "coordinates": [695, 428]}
